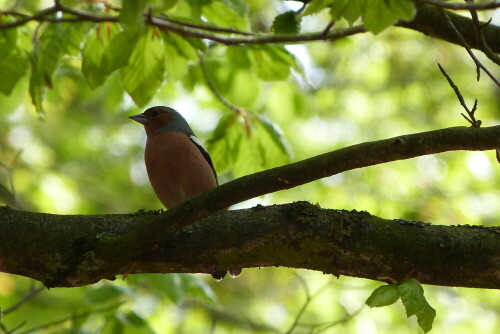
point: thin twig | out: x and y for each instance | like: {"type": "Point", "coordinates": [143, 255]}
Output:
{"type": "Point", "coordinates": [242, 112]}
{"type": "Point", "coordinates": [348, 317]}
{"type": "Point", "coordinates": [328, 28]}
{"type": "Point", "coordinates": [215, 91]}
{"type": "Point", "coordinates": [38, 16]}
{"type": "Point", "coordinates": [13, 13]}
{"type": "Point", "coordinates": [309, 299]}
{"type": "Point", "coordinates": [459, 6]}
{"type": "Point", "coordinates": [13, 330]}
{"type": "Point", "coordinates": [32, 293]}
{"type": "Point", "coordinates": [463, 42]}
{"type": "Point", "coordinates": [73, 317]}
{"type": "Point", "coordinates": [472, 120]}
{"type": "Point", "coordinates": [4, 329]}
{"type": "Point", "coordinates": [479, 32]}
{"type": "Point", "coordinates": [207, 27]}
{"type": "Point", "coordinates": [258, 39]}
{"type": "Point", "coordinates": [219, 315]}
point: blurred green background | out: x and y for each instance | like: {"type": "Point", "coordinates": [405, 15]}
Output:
{"type": "Point", "coordinates": [84, 156]}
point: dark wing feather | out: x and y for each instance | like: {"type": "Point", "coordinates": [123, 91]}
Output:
{"type": "Point", "coordinates": [205, 154]}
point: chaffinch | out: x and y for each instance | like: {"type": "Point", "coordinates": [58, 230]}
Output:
{"type": "Point", "coordinates": [178, 166]}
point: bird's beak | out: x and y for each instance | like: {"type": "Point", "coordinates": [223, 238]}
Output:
{"type": "Point", "coordinates": [140, 118]}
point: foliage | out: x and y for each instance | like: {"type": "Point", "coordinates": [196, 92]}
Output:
{"type": "Point", "coordinates": [256, 106]}
{"type": "Point", "coordinates": [412, 296]}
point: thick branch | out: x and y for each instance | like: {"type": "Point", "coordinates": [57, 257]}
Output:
{"type": "Point", "coordinates": [79, 250]}
{"type": "Point", "coordinates": [298, 173]}
{"type": "Point", "coordinates": [431, 22]}
{"type": "Point", "coordinates": [460, 5]}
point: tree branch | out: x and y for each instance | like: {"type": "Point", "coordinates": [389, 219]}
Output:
{"type": "Point", "coordinates": [464, 43]}
{"type": "Point", "coordinates": [460, 5]}
{"type": "Point", "coordinates": [471, 118]}
{"type": "Point", "coordinates": [79, 250]}
{"type": "Point", "coordinates": [301, 172]}
{"type": "Point", "coordinates": [256, 39]}
{"type": "Point", "coordinates": [430, 22]}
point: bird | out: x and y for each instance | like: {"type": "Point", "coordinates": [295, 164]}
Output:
{"type": "Point", "coordinates": [178, 165]}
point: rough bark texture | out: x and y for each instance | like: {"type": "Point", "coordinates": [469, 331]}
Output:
{"type": "Point", "coordinates": [301, 172]}
{"type": "Point", "coordinates": [430, 21]}
{"type": "Point", "coordinates": [78, 250]}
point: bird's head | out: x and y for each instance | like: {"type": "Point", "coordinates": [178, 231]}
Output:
{"type": "Point", "coordinates": [161, 119]}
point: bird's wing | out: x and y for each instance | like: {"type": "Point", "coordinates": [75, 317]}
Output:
{"type": "Point", "coordinates": [205, 154]}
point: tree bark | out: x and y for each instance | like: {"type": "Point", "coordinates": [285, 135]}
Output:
{"type": "Point", "coordinates": [308, 170]}
{"type": "Point", "coordinates": [79, 250]}
{"type": "Point", "coordinates": [68, 251]}
{"type": "Point", "coordinates": [431, 22]}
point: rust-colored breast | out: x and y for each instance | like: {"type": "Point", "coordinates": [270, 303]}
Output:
{"type": "Point", "coordinates": [176, 168]}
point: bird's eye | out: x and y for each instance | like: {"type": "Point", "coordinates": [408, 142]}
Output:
{"type": "Point", "coordinates": [155, 113]}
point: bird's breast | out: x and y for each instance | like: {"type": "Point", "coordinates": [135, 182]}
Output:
{"type": "Point", "coordinates": [176, 168]}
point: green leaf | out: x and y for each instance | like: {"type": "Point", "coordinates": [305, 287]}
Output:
{"type": "Point", "coordinates": [104, 293]}
{"type": "Point", "coordinates": [425, 318]}
{"type": "Point", "coordinates": [276, 134]}
{"type": "Point", "coordinates": [44, 61]}
{"type": "Point", "coordinates": [220, 130]}
{"type": "Point", "coordinates": [76, 32]}
{"type": "Point", "coordinates": [351, 10]}
{"type": "Point", "coordinates": [178, 286]}
{"type": "Point", "coordinates": [197, 43]}
{"type": "Point", "coordinates": [199, 3]}
{"type": "Point", "coordinates": [244, 88]}
{"type": "Point", "coordinates": [412, 296]}
{"type": "Point", "coordinates": [238, 56]}
{"type": "Point", "coordinates": [383, 295]}
{"type": "Point", "coordinates": [196, 287]}
{"type": "Point", "coordinates": [160, 6]}
{"type": "Point", "coordinates": [380, 14]}
{"type": "Point", "coordinates": [13, 68]}
{"type": "Point", "coordinates": [169, 284]}
{"type": "Point", "coordinates": [192, 78]}
{"type": "Point", "coordinates": [8, 39]}
{"type": "Point", "coordinates": [51, 47]}
{"type": "Point", "coordinates": [315, 6]}
{"type": "Point", "coordinates": [35, 86]}
{"type": "Point", "coordinates": [133, 319]}
{"type": "Point", "coordinates": [182, 46]}
{"type": "Point", "coordinates": [105, 50]}
{"type": "Point", "coordinates": [92, 53]}
{"type": "Point", "coordinates": [112, 326]}
{"type": "Point", "coordinates": [240, 6]}
{"type": "Point", "coordinates": [224, 145]}
{"type": "Point", "coordinates": [243, 144]}
{"type": "Point", "coordinates": [286, 23]}
{"type": "Point", "coordinates": [175, 65]}
{"type": "Point", "coordinates": [271, 63]}
{"type": "Point", "coordinates": [222, 15]}
{"type": "Point", "coordinates": [132, 13]}
{"type": "Point", "coordinates": [117, 53]}
{"type": "Point", "coordinates": [144, 73]}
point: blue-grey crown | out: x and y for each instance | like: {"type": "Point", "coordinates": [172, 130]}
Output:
{"type": "Point", "coordinates": [177, 124]}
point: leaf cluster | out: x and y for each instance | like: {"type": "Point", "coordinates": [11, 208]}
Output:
{"type": "Point", "coordinates": [412, 296]}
